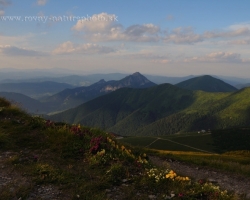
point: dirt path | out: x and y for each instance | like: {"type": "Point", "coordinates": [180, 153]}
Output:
{"type": "Point", "coordinates": [227, 181]}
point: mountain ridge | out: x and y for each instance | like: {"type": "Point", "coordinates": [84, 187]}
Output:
{"type": "Point", "coordinates": [73, 97]}
{"type": "Point", "coordinates": [162, 109]}
{"type": "Point", "coordinates": [206, 83]}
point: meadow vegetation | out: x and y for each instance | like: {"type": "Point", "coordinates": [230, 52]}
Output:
{"type": "Point", "coordinates": [84, 163]}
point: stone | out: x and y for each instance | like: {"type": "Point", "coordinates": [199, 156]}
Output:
{"type": "Point", "coordinates": [212, 180]}
{"type": "Point", "coordinates": [151, 196]}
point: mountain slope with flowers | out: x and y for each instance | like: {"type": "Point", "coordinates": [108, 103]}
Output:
{"type": "Point", "coordinates": [45, 160]}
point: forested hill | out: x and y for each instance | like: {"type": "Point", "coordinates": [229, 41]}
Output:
{"type": "Point", "coordinates": [163, 109]}
{"type": "Point", "coordinates": [206, 83]}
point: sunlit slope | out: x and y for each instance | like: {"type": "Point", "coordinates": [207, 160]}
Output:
{"type": "Point", "coordinates": [209, 111]}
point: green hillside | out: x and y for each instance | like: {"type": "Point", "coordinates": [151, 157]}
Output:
{"type": "Point", "coordinates": [206, 83]}
{"type": "Point", "coordinates": [162, 110]}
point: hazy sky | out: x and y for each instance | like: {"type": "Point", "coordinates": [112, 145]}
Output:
{"type": "Point", "coordinates": [166, 37]}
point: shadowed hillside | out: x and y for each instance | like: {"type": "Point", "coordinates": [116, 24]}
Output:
{"type": "Point", "coordinates": [206, 83]}
{"type": "Point", "coordinates": [161, 110]}
{"type": "Point", "coordinates": [73, 97]}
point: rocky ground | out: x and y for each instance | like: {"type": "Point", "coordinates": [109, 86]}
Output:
{"type": "Point", "coordinates": [12, 181]}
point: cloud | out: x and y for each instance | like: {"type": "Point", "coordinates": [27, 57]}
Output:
{"type": "Point", "coordinates": [163, 61]}
{"type": "Point", "coordinates": [2, 12]}
{"type": "Point", "coordinates": [105, 27]}
{"type": "Point", "coordinates": [240, 42]}
{"type": "Point", "coordinates": [186, 35]}
{"type": "Point", "coordinates": [183, 35]}
{"type": "Point", "coordinates": [15, 40]}
{"type": "Point", "coordinates": [102, 22]}
{"type": "Point", "coordinates": [41, 2]}
{"type": "Point", "coordinates": [217, 57]}
{"type": "Point", "coordinates": [69, 48]}
{"type": "Point", "coordinates": [231, 33]}
{"type": "Point", "coordinates": [15, 51]}
{"type": "Point", "coordinates": [145, 55]}
{"type": "Point", "coordinates": [153, 58]}
{"type": "Point", "coordinates": [170, 18]}
{"type": "Point", "coordinates": [5, 3]}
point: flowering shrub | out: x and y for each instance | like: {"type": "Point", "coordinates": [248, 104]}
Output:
{"type": "Point", "coordinates": [95, 144]}
{"type": "Point", "coordinates": [157, 174]}
{"type": "Point", "coordinates": [49, 123]}
{"type": "Point", "coordinates": [124, 164]}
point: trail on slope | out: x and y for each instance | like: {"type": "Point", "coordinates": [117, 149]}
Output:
{"type": "Point", "coordinates": [158, 138]}
{"type": "Point", "coordinates": [227, 181]}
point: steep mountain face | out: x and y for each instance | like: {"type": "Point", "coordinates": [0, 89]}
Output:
{"type": "Point", "coordinates": [73, 97]}
{"type": "Point", "coordinates": [206, 83]}
{"type": "Point", "coordinates": [160, 110]}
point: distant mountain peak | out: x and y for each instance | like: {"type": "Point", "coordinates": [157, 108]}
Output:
{"type": "Point", "coordinates": [206, 83]}
{"type": "Point", "coordinates": [136, 80]}
{"type": "Point", "coordinates": [136, 74]}
{"type": "Point", "coordinates": [102, 81]}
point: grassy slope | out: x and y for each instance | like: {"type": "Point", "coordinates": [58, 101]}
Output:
{"type": "Point", "coordinates": [63, 158]}
{"type": "Point", "coordinates": [219, 141]}
{"type": "Point", "coordinates": [140, 106]}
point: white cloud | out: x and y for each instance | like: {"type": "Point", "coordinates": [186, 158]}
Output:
{"type": "Point", "coordinates": [231, 33]}
{"type": "Point", "coordinates": [41, 2]}
{"type": "Point", "coordinates": [186, 35]}
{"type": "Point", "coordinates": [104, 27]}
{"type": "Point", "coordinates": [69, 47]}
{"type": "Point", "coordinates": [102, 22]}
{"type": "Point", "coordinates": [217, 57]}
{"type": "Point", "coordinates": [183, 35]}
{"type": "Point", "coordinates": [16, 51]}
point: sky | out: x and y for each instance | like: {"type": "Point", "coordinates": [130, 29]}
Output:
{"type": "Point", "coordinates": [163, 37]}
